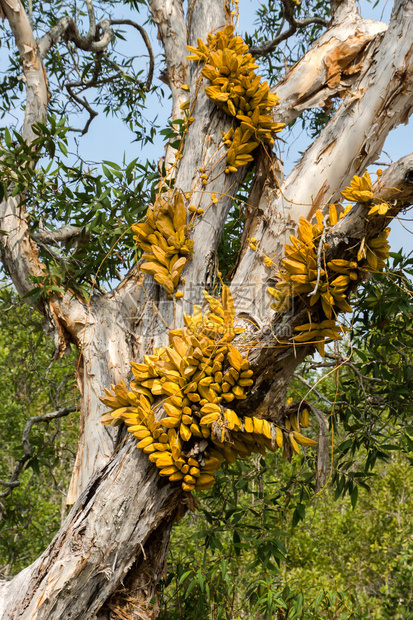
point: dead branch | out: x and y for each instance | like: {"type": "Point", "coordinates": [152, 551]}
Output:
{"type": "Point", "coordinates": [83, 103]}
{"type": "Point", "coordinates": [294, 24]}
{"type": "Point", "coordinates": [146, 40]}
{"type": "Point", "coordinates": [54, 237]}
{"type": "Point", "coordinates": [14, 481]}
{"type": "Point", "coordinates": [323, 458]}
{"type": "Point", "coordinates": [313, 389]}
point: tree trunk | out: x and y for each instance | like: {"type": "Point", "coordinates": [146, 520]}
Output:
{"type": "Point", "coordinates": [111, 550]}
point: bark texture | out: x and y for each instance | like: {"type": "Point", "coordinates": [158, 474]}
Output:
{"type": "Point", "coordinates": [110, 552]}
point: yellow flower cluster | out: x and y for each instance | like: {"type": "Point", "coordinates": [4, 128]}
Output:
{"type": "Point", "coordinates": [325, 286]}
{"type": "Point", "coordinates": [196, 377]}
{"type": "Point", "coordinates": [237, 89]}
{"type": "Point", "coordinates": [164, 238]}
{"type": "Point", "coordinates": [296, 419]}
{"type": "Point", "coordinates": [361, 190]}
{"type": "Point", "coordinates": [322, 287]}
{"type": "Point", "coordinates": [375, 249]}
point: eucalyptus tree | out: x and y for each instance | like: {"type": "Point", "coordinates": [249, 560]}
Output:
{"type": "Point", "coordinates": [65, 233]}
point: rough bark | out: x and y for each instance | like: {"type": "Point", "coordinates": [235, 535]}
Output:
{"type": "Point", "coordinates": [380, 99]}
{"type": "Point", "coordinates": [98, 543]}
{"type": "Point", "coordinates": [110, 552]}
{"type": "Point", "coordinates": [106, 347]}
{"type": "Point", "coordinates": [328, 70]}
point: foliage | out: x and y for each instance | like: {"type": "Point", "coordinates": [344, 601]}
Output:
{"type": "Point", "coordinates": [66, 191]}
{"type": "Point", "coordinates": [368, 549]}
{"type": "Point", "coordinates": [264, 544]}
{"type": "Point", "coordinates": [114, 84]}
{"type": "Point", "coordinates": [33, 512]}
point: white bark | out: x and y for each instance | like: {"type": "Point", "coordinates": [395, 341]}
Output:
{"type": "Point", "coordinates": [106, 350]}
{"type": "Point", "coordinates": [328, 70]}
{"type": "Point", "coordinates": [33, 70]}
{"type": "Point", "coordinates": [379, 101]}
{"type": "Point", "coordinates": [126, 509]}
{"type": "Point", "coordinates": [174, 41]}
{"type": "Point", "coordinates": [97, 545]}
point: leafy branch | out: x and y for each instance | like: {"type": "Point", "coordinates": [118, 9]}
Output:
{"type": "Point", "coordinates": [14, 481]}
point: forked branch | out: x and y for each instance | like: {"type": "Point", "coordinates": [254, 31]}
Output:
{"type": "Point", "coordinates": [14, 481]}
{"type": "Point", "coordinates": [294, 24]}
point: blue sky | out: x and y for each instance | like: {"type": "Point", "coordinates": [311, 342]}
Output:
{"type": "Point", "coordinates": [110, 139]}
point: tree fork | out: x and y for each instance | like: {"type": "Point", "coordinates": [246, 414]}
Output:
{"type": "Point", "coordinates": [113, 532]}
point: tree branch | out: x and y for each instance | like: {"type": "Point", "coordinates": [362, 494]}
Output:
{"type": "Point", "coordinates": [313, 389]}
{"type": "Point", "coordinates": [53, 36]}
{"type": "Point", "coordinates": [269, 46]}
{"type": "Point", "coordinates": [170, 19]}
{"type": "Point", "coordinates": [54, 237]}
{"type": "Point", "coordinates": [83, 103]}
{"type": "Point", "coordinates": [92, 21]}
{"type": "Point", "coordinates": [33, 70]}
{"type": "Point", "coordinates": [67, 27]}
{"type": "Point", "coordinates": [328, 70]}
{"type": "Point", "coordinates": [146, 40]}
{"type": "Point", "coordinates": [13, 481]}
{"type": "Point", "coordinates": [346, 146]}
{"type": "Point", "coordinates": [323, 457]}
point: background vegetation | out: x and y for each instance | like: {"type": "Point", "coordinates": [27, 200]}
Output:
{"type": "Point", "coordinates": [32, 384]}
{"type": "Point", "coordinates": [263, 543]}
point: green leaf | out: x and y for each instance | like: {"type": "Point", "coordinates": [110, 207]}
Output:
{"type": "Point", "coordinates": [7, 138]}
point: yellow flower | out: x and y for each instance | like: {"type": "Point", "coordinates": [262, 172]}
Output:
{"type": "Point", "coordinates": [380, 209]}
{"type": "Point", "coordinates": [214, 198]}
{"type": "Point", "coordinates": [267, 261]}
{"type": "Point", "coordinates": [360, 189]}
{"type": "Point", "coordinates": [346, 210]}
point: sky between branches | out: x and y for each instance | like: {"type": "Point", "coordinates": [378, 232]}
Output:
{"type": "Point", "coordinates": [108, 137]}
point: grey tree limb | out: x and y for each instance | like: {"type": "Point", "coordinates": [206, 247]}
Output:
{"type": "Point", "coordinates": [14, 481]}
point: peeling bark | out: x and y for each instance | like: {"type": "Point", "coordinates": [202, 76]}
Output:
{"type": "Point", "coordinates": [380, 99]}
{"type": "Point", "coordinates": [328, 70]}
{"type": "Point", "coordinates": [111, 551]}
